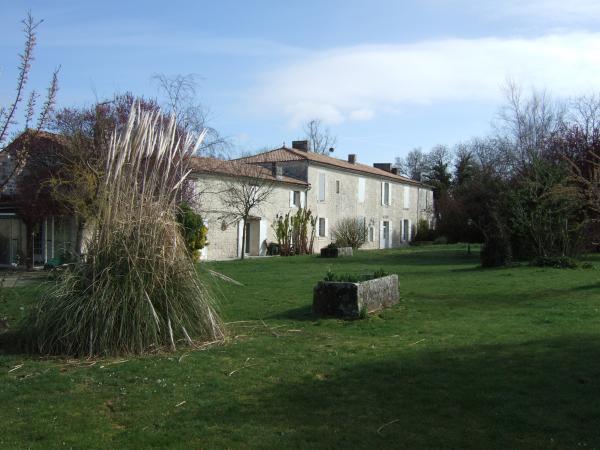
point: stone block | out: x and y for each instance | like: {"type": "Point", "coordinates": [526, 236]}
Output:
{"type": "Point", "coordinates": [347, 300]}
{"type": "Point", "coordinates": [327, 252]}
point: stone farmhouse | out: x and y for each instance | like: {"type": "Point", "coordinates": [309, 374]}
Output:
{"type": "Point", "coordinates": [389, 204]}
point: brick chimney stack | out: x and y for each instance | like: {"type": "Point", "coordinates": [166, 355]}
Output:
{"type": "Point", "coordinates": [352, 158]}
{"type": "Point", "coordinates": [300, 145]}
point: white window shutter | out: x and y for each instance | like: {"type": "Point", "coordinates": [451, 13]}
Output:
{"type": "Point", "coordinates": [302, 199]}
{"type": "Point", "coordinates": [391, 236]}
{"type": "Point", "coordinates": [409, 231]}
{"type": "Point", "coordinates": [382, 193]}
{"type": "Point", "coordinates": [381, 234]}
{"type": "Point", "coordinates": [326, 228]}
{"type": "Point", "coordinates": [390, 189]}
{"type": "Point", "coordinates": [240, 238]}
{"type": "Point", "coordinates": [291, 199]}
{"type": "Point", "coordinates": [361, 190]}
{"type": "Point", "coordinates": [322, 187]}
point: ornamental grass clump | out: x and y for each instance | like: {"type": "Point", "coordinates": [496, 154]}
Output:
{"type": "Point", "coordinates": [137, 290]}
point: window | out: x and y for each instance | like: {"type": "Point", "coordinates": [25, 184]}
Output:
{"type": "Point", "coordinates": [322, 227]}
{"type": "Point", "coordinates": [297, 199]}
{"type": "Point", "coordinates": [385, 194]}
{"type": "Point", "coordinates": [406, 197]}
{"type": "Point", "coordinates": [371, 233]}
{"type": "Point", "coordinates": [321, 187]}
{"type": "Point", "coordinates": [405, 230]}
{"type": "Point", "coordinates": [361, 190]}
{"type": "Point", "coordinates": [337, 186]}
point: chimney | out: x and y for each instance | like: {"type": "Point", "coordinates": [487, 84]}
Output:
{"type": "Point", "coordinates": [383, 166]}
{"type": "Point", "coordinates": [300, 145]}
{"type": "Point", "coordinates": [395, 170]}
{"type": "Point", "coordinates": [352, 158]}
{"type": "Point", "coordinates": [277, 170]}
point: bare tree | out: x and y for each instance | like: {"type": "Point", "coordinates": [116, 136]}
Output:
{"type": "Point", "coordinates": [245, 192]}
{"type": "Point", "coordinates": [181, 99]}
{"type": "Point", "coordinates": [8, 113]}
{"type": "Point", "coordinates": [414, 165]}
{"type": "Point", "coordinates": [585, 113]}
{"type": "Point", "coordinates": [319, 136]}
{"type": "Point", "coordinates": [526, 124]}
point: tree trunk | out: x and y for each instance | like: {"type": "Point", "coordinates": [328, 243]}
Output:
{"type": "Point", "coordinates": [243, 238]}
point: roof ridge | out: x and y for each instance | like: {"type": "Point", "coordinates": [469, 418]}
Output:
{"type": "Point", "coordinates": [291, 150]}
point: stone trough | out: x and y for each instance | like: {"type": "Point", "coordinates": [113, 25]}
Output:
{"type": "Point", "coordinates": [336, 252]}
{"type": "Point", "coordinates": [351, 300]}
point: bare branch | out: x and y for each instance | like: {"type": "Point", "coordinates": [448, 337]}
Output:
{"type": "Point", "coordinates": [29, 27]}
{"type": "Point", "coordinates": [319, 136]}
{"type": "Point", "coordinates": [245, 193]}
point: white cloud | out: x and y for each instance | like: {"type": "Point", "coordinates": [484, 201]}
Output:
{"type": "Point", "coordinates": [361, 114]}
{"type": "Point", "coordinates": [560, 10]}
{"type": "Point", "coordinates": [353, 83]}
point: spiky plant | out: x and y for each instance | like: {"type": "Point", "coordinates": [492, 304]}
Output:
{"type": "Point", "coordinates": [137, 289]}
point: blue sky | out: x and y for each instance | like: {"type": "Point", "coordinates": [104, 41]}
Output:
{"type": "Point", "coordinates": [387, 76]}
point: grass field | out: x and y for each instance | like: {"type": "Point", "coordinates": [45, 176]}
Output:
{"type": "Point", "coordinates": [471, 358]}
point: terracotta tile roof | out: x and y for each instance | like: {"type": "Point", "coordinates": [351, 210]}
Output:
{"type": "Point", "coordinates": [39, 141]}
{"type": "Point", "coordinates": [284, 154]}
{"type": "Point", "coordinates": [238, 169]}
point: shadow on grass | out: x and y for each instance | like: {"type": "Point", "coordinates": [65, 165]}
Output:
{"type": "Point", "coordinates": [587, 287]}
{"type": "Point", "coordinates": [415, 258]}
{"type": "Point", "coordinates": [303, 313]}
{"type": "Point", "coordinates": [11, 343]}
{"type": "Point", "coordinates": [537, 394]}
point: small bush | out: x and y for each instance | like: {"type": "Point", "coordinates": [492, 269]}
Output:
{"type": "Point", "coordinates": [424, 233]}
{"type": "Point", "coordinates": [351, 278]}
{"type": "Point", "coordinates": [380, 273]}
{"type": "Point", "coordinates": [350, 232]}
{"type": "Point", "coordinates": [558, 262]}
{"type": "Point", "coordinates": [441, 240]}
{"type": "Point", "coordinates": [193, 229]}
{"type": "Point", "coordinates": [363, 313]}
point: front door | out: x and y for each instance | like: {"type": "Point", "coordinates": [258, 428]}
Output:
{"type": "Point", "coordinates": [385, 234]}
{"type": "Point", "coordinates": [247, 243]}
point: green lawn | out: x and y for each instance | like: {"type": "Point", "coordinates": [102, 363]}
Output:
{"type": "Point", "coordinates": [471, 358]}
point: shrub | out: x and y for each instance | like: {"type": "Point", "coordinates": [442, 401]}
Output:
{"type": "Point", "coordinates": [295, 233]}
{"type": "Point", "coordinates": [424, 233]}
{"type": "Point", "coordinates": [351, 278]}
{"type": "Point", "coordinates": [193, 229]}
{"type": "Point", "coordinates": [496, 252]}
{"type": "Point", "coordinates": [350, 232]}
{"type": "Point", "coordinates": [138, 289]}
{"type": "Point", "coordinates": [441, 240]}
{"type": "Point", "coordinates": [558, 262]}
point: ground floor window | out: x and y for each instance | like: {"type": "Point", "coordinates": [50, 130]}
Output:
{"type": "Point", "coordinates": [322, 227]}
{"type": "Point", "coordinates": [405, 230]}
{"type": "Point", "coordinates": [296, 199]}
{"type": "Point", "coordinates": [371, 234]}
